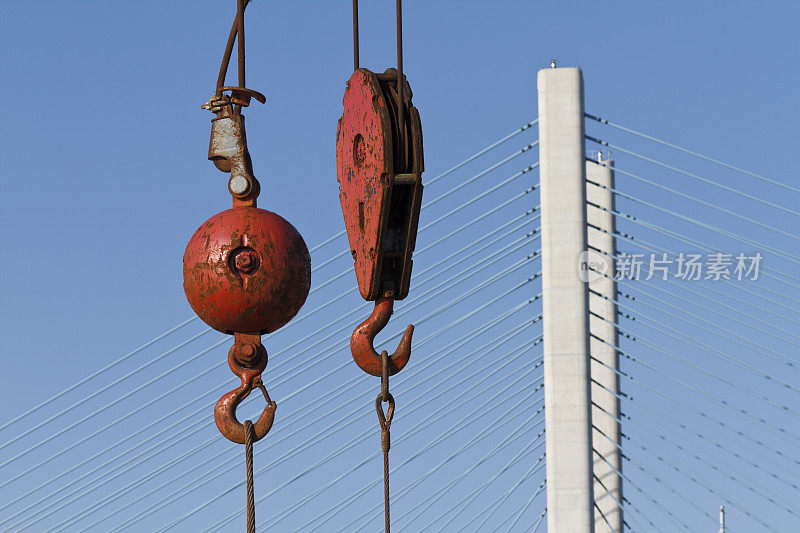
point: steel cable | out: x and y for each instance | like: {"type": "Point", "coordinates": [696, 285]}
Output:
{"type": "Point", "coordinates": [687, 151]}
{"type": "Point", "coordinates": [507, 441]}
{"type": "Point", "coordinates": [704, 347]}
{"type": "Point", "coordinates": [435, 357]}
{"type": "Point", "coordinates": [192, 319]}
{"type": "Point", "coordinates": [777, 431]}
{"type": "Point", "coordinates": [687, 240]}
{"type": "Point", "coordinates": [415, 429]}
{"type": "Point", "coordinates": [650, 247]}
{"type": "Point", "coordinates": [475, 289]}
{"type": "Point", "coordinates": [125, 377]}
{"type": "Point", "coordinates": [197, 399]}
{"type": "Point", "coordinates": [704, 419]}
{"type": "Point", "coordinates": [701, 295]}
{"type": "Point", "coordinates": [704, 225]}
{"type": "Point", "coordinates": [700, 178]}
{"type": "Point", "coordinates": [512, 437]}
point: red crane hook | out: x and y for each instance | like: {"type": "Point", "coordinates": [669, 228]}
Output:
{"type": "Point", "coordinates": [247, 359]}
{"type": "Point", "coordinates": [361, 341]}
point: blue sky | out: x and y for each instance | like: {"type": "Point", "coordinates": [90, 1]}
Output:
{"type": "Point", "coordinates": [105, 174]}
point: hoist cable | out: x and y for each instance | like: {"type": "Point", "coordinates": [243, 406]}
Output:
{"type": "Point", "coordinates": [475, 289]}
{"type": "Point", "coordinates": [349, 417]}
{"type": "Point", "coordinates": [355, 35]}
{"type": "Point", "coordinates": [414, 430]}
{"type": "Point", "coordinates": [400, 83]}
{"type": "Point", "coordinates": [465, 446]}
{"type": "Point", "coordinates": [699, 178]}
{"type": "Point", "coordinates": [248, 460]}
{"type": "Point", "coordinates": [193, 318]}
{"type": "Point", "coordinates": [237, 28]}
{"type": "Point", "coordinates": [687, 151]}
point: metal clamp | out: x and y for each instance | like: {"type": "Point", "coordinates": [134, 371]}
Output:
{"type": "Point", "coordinates": [227, 148]}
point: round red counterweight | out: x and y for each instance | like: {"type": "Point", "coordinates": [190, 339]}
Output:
{"type": "Point", "coordinates": [246, 270]}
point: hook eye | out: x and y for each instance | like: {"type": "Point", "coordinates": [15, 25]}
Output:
{"type": "Point", "coordinates": [225, 412]}
{"type": "Point", "coordinates": [362, 339]}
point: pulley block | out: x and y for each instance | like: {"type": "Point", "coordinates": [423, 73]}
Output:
{"type": "Point", "coordinates": [379, 168]}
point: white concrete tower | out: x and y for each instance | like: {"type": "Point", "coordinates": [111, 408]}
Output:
{"type": "Point", "coordinates": [604, 360]}
{"type": "Point", "coordinates": [565, 302]}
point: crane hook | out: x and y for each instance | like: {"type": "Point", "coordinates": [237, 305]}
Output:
{"type": "Point", "coordinates": [247, 359]}
{"type": "Point", "coordinates": [361, 340]}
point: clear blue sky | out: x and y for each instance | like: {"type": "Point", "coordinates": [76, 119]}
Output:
{"type": "Point", "coordinates": [104, 164]}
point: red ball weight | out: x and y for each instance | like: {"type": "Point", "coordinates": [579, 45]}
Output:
{"type": "Point", "coordinates": [246, 270]}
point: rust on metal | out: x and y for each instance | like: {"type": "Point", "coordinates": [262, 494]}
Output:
{"type": "Point", "coordinates": [246, 270]}
{"type": "Point", "coordinates": [247, 359]}
{"type": "Point", "coordinates": [362, 339]}
{"type": "Point", "coordinates": [379, 171]}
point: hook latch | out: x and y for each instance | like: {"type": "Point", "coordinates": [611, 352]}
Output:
{"type": "Point", "coordinates": [247, 359]}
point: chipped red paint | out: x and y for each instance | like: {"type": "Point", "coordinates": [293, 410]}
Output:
{"type": "Point", "coordinates": [247, 359]}
{"type": "Point", "coordinates": [246, 270]}
{"type": "Point", "coordinates": [380, 185]}
{"type": "Point", "coordinates": [361, 340]}
{"type": "Point", "coordinates": [363, 166]}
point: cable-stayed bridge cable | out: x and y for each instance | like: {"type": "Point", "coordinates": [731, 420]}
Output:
{"type": "Point", "coordinates": [690, 152]}
{"type": "Point", "coordinates": [697, 177]}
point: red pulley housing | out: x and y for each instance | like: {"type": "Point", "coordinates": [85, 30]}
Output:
{"type": "Point", "coordinates": [246, 270]}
